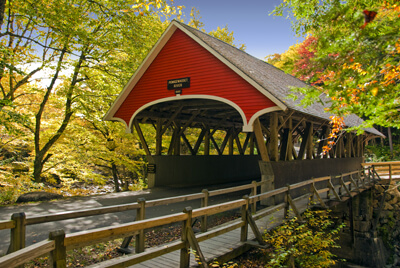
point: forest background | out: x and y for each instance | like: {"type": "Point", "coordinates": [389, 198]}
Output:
{"type": "Point", "coordinates": [60, 74]}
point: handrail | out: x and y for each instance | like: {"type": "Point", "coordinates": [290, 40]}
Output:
{"type": "Point", "coordinates": [66, 215]}
{"type": "Point", "coordinates": [76, 239]}
{"type": "Point", "coordinates": [26, 254]}
{"type": "Point", "coordinates": [131, 206]}
{"type": "Point", "coordinates": [380, 163]}
{"type": "Point", "coordinates": [7, 225]}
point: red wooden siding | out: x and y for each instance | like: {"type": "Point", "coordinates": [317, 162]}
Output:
{"type": "Point", "coordinates": [183, 57]}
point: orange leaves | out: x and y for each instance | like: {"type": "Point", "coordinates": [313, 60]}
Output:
{"type": "Point", "coordinates": [337, 123]}
{"type": "Point", "coordinates": [391, 73]}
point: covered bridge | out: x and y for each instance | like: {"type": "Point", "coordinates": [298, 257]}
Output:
{"type": "Point", "coordinates": [217, 111]}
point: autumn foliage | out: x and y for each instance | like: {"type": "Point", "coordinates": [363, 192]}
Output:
{"type": "Point", "coordinates": [352, 55]}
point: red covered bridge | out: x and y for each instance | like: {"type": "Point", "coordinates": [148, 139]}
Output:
{"type": "Point", "coordinates": [191, 80]}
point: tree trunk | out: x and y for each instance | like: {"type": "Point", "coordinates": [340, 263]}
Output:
{"type": "Point", "coordinates": [2, 10]}
{"type": "Point", "coordinates": [115, 177]}
{"type": "Point", "coordinates": [37, 169]}
{"type": "Point", "coordinates": [390, 141]}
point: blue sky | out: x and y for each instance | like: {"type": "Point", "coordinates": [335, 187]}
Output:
{"type": "Point", "coordinates": [263, 34]}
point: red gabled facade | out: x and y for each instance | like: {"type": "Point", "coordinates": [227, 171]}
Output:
{"type": "Point", "coordinates": [181, 57]}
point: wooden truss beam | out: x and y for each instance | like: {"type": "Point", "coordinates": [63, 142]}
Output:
{"type": "Point", "coordinates": [141, 137]}
{"type": "Point", "coordinates": [260, 140]}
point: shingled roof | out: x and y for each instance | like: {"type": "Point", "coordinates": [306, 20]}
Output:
{"type": "Point", "coordinates": [273, 80]}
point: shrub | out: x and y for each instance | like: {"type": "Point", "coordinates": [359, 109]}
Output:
{"type": "Point", "coordinates": [304, 244]}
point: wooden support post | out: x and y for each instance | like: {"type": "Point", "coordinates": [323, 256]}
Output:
{"type": "Point", "coordinates": [172, 143]}
{"type": "Point", "coordinates": [290, 202]}
{"type": "Point", "coordinates": [191, 238]}
{"type": "Point", "coordinates": [185, 252]}
{"type": "Point", "coordinates": [260, 140]}
{"type": "Point", "coordinates": [303, 145]}
{"type": "Point", "coordinates": [140, 215]}
{"type": "Point", "coordinates": [188, 145]}
{"type": "Point", "coordinates": [314, 191]}
{"type": "Point", "coordinates": [268, 182]}
{"type": "Point", "coordinates": [199, 141]}
{"type": "Point", "coordinates": [330, 185]}
{"type": "Point", "coordinates": [219, 151]}
{"type": "Point", "coordinates": [284, 145]}
{"type": "Point", "coordinates": [238, 144]}
{"type": "Point", "coordinates": [158, 136]}
{"type": "Point", "coordinates": [290, 145]}
{"type": "Point", "coordinates": [177, 142]}
{"type": "Point", "coordinates": [310, 143]}
{"type": "Point", "coordinates": [287, 207]}
{"type": "Point", "coordinates": [255, 229]}
{"type": "Point", "coordinates": [274, 139]}
{"type": "Point", "coordinates": [344, 185]}
{"type": "Point", "coordinates": [246, 142]}
{"type": "Point", "coordinates": [245, 228]}
{"type": "Point", "coordinates": [207, 142]}
{"type": "Point", "coordinates": [252, 144]}
{"type": "Point", "coordinates": [230, 141]}
{"type": "Point", "coordinates": [253, 193]}
{"type": "Point", "coordinates": [204, 203]}
{"type": "Point", "coordinates": [348, 145]}
{"type": "Point", "coordinates": [58, 256]}
{"type": "Point", "coordinates": [225, 141]}
{"type": "Point", "coordinates": [17, 236]}
{"type": "Point", "coordinates": [141, 137]}
{"type": "Point", "coordinates": [355, 184]}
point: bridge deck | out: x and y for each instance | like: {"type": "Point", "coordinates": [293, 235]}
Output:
{"type": "Point", "coordinates": [224, 244]}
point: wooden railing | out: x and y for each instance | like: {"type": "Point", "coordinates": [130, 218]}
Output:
{"type": "Point", "coordinates": [386, 169]}
{"type": "Point", "coordinates": [19, 221]}
{"type": "Point", "coordinates": [336, 188]}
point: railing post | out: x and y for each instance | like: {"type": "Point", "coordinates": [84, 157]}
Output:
{"type": "Point", "coordinates": [373, 172]}
{"type": "Point", "coordinates": [245, 228]}
{"type": "Point", "coordinates": [185, 257]}
{"type": "Point", "coordinates": [58, 256]}
{"type": "Point", "coordinates": [340, 186]}
{"type": "Point", "coordinates": [204, 203]}
{"type": "Point", "coordinates": [287, 204]}
{"type": "Point", "coordinates": [390, 172]}
{"type": "Point", "coordinates": [140, 215]}
{"type": "Point", "coordinates": [253, 193]}
{"type": "Point", "coordinates": [17, 236]}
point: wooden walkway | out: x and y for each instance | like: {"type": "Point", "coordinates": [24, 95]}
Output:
{"type": "Point", "coordinates": [223, 246]}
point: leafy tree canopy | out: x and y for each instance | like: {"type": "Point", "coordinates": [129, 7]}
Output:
{"type": "Point", "coordinates": [355, 55]}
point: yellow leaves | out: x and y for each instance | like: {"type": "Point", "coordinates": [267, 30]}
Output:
{"type": "Point", "coordinates": [356, 67]}
{"type": "Point", "coordinates": [374, 91]}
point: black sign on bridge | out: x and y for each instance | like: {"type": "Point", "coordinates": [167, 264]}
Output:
{"type": "Point", "coordinates": [178, 84]}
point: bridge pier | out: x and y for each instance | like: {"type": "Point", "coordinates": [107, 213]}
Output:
{"type": "Point", "coordinates": [359, 242]}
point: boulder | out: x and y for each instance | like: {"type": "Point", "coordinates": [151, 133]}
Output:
{"type": "Point", "coordinates": [38, 196]}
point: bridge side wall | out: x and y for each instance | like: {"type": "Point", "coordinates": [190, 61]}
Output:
{"type": "Point", "coordinates": [215, 169]}
{"type": "Point", "coordinates": [185, 170]}
{"type": "Point", "coordinates": [290, 172]}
